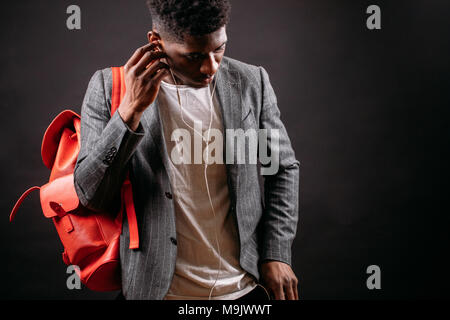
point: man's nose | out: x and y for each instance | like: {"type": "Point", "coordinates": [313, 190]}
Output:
{"type": "Point", "coordinates": [209, 66]}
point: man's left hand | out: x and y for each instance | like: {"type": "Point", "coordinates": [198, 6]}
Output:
{"type": "Point", "coordinates": [279, 278]}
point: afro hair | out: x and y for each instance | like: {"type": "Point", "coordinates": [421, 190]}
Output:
{"type": "Point", "coordinates": [177, 18]}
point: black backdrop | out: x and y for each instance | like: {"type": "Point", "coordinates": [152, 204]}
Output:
{"type": "Point", "coordinates": [366, 112]}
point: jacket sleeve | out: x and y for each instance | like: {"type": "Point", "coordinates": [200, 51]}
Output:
{"type": "Point", "coordinates": [281, 188]}
{"type": "Point", "coordinates": [107, 145]}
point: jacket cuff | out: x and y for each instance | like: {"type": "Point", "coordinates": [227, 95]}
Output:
{"type": "Point", "coordinates": [118, 142]}
{"type": "Point", "coordinates": [139, 130]}
{"type": "Point", "coordinates": [278, 251]}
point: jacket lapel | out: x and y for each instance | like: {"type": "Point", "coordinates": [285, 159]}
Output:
{"type": "Point", "coordinates": [228, 92]}
{"type": "Point", "coordinates": [156, 140]}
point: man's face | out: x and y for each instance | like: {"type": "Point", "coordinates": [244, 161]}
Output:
{"type": "Point", "coordinates": [197, 59]}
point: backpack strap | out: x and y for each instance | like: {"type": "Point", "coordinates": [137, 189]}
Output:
{"type": "Point", "coordinates": [19, 202]}
{"type": "Point", "coordinates": [118, 91]}
{"type": "Point", "coordinates": [118, 88]}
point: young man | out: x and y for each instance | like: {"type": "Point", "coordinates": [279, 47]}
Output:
{"type": "Point", "coordinates": [199, 238]}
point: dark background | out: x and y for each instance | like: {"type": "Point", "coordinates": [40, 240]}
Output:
{"type": "Point", "coordinates": [366, 111]}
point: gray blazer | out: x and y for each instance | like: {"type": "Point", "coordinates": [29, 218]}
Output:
{"type": "Point", "coordinates": [109, 149]}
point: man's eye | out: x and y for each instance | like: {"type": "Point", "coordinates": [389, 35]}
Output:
{"type": "Point", "coordinates": [193, 57]}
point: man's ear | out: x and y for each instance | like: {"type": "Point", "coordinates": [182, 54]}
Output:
{"type": "Point", "coordinates": [153, 36]}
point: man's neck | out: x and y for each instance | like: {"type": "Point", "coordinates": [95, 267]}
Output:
{"type": "Point", "coordinates": [168, 79]}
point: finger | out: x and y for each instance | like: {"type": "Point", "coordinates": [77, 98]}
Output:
{"type": "Point", "coordinates": [289, 291]}
{"type": "Point", "coordinates": [296, 289]}
{"type": "Point", "coordinates": [139, 53]}
{"type": "Point", "coordinates": [157, 78]}
{"type": "Point", "coordinates": [147, 58]}
{"type": "Point", "coordinates": [148, 74]}
{"type": "Point", "coordinates": [278, 292]}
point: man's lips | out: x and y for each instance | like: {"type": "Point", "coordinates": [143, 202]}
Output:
{"type": "Point", "coordinates": [206, 79]}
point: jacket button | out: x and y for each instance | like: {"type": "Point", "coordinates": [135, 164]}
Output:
{"type": "Point", "coordinates": [169, 195]}
{"type": "Point", "coordinates": [173, 240]}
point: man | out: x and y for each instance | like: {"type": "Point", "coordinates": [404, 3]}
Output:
{"type": "Point", "coordinates": [199, 238]}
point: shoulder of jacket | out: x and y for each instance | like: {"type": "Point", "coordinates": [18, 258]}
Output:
{"type": "Point", "coordinates": [241, 67]}
{"type": "Point", "coordinates": [101, 82]}
{"type": "Point", "coordinates": [248, 73]}
{"type": "Point", "coordinates": [102, 78]}
{"type": "Point", "coordinates": [107, 80]}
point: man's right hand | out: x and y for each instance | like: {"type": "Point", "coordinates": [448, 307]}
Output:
{"type": "Point", "coordinates": [142, 83]}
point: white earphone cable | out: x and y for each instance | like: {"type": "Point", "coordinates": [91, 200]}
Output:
{"type": "Point", "coordinates": [206, 166]}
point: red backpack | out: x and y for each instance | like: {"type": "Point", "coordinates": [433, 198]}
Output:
{"type": "Point", "coordinates": [90, 239]}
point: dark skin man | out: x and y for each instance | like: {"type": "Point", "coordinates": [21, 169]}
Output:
{"type": "Point", "coordinates": [193, 62]}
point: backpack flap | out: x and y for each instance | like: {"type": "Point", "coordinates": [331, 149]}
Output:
{"type": "Point", "coordinates": [52, 137]}
{"type": "Point", "coordinates": [59, 197]}
{"type": "Point", "coordinates": [67, 153]}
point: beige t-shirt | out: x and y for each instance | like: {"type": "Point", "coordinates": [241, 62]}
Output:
{"type": "Point", "coordinates": [200, 258]}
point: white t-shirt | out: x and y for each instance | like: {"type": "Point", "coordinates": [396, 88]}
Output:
{"type": "Point", "coordinates": [198, 257]}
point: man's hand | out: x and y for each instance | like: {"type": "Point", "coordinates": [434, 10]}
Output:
{"type": "Point", "coordinates": [279, 278]}
{"type": "Point", "coordinates": [143, 74]}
